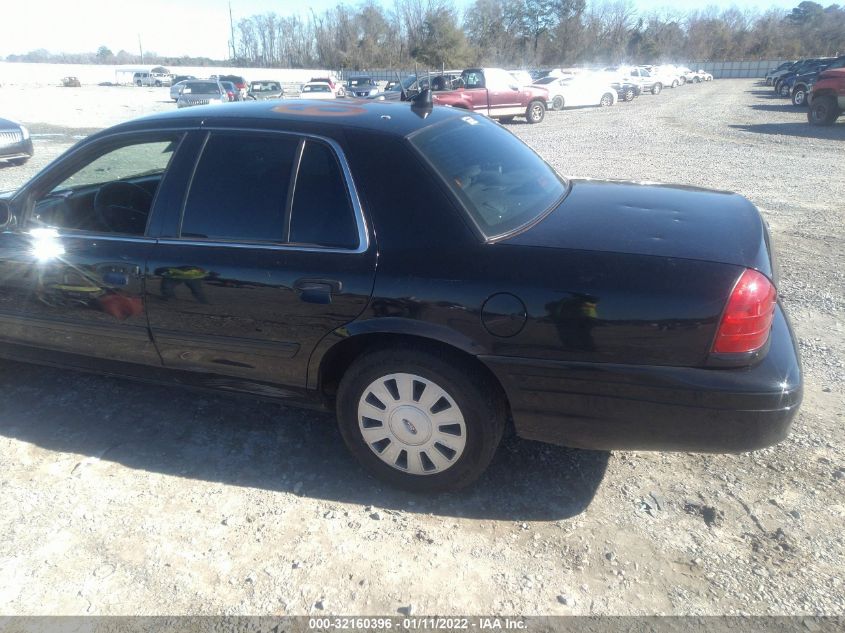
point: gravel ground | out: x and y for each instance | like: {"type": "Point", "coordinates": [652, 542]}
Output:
{"type": "Point", "coordinates": [125, 498]}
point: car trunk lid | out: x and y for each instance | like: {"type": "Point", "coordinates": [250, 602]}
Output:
{"type": "Point", "coordinates": [657, 220]}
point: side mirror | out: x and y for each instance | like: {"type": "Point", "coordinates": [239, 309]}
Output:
{"type": "Point", "coordinates": [515, 87]}
{"type": "Point", "coordinates": [6, 216]}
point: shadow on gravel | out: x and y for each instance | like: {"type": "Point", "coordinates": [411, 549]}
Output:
{"type": "Point", "coordinates": [834, 132]}
{"type": "Point", "coordinates": [769, 92]}
{"type": "Point", "coordinates": [242, 442]}
{"type": "Point", "coordinates": [783, 107]}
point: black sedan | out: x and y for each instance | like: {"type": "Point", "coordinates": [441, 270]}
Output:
{"type": "Point", "coordinates": [15, 143]}
{"type": "Point", "coordinates": [419, 271]}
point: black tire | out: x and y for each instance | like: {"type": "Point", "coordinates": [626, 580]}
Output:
{"type": "Point", "coordinates": [505, 119]}
{"type": "Point", "coordinates": [558, 103]}
{"type": "Point", "coordinates": [535, 112]}
{"type": "Point", "coordinates": [683, 81]}
{"type": "Point", "coordinates": [656, 88]}
{"type": "Point", "coordinates": [158, 84]}
{"type": "Point", "coordinates": [675, 83]}
{"type": "Point", "coordinates": [606, 100]}
{"type": "Point", "coordinates": [697, 80]}
{"type": "Point", "coordinates": [479, 402]}
{"type": "Point", "coordinates": [17, 162]}
{"type": "Point", "coordinates": [138, 83]}
{"type": "Point", "coordinates": [629, 95]}
{"type": "Point", "coordinates": [799, 96]}
{"type": "Point", "coordinates": [783, 90]}
{"type": "Point", "coordinates": [768, 81]}
{"type": "Point", "coordinates": [823, 111]}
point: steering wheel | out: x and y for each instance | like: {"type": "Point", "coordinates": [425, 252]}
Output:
{"type": "Point", "coordinates": [123, 207]}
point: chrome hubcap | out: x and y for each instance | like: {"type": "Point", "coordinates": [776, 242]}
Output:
{"type": "Point", "coordinates": [411, 424]}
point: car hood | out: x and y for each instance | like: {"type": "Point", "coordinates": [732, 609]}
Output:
{"type": "Point", "coordinates": [657, 220]}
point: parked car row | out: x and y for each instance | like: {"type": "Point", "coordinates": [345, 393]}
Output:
{"type": "Point", "coordinates": [817, 83]}
{"type": "Point", "coordinates": [504, 95]}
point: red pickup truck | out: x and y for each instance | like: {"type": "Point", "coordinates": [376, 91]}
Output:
{"type": "Point", "coordinates": [496, 93]}
{"type": "Point", "coordinates": [827, 98]}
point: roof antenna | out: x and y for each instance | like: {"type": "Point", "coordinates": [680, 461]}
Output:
{"type": "Point", "coordinates": [421, 104]}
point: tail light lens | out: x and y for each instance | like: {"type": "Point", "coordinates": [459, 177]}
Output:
{"type": "Point", "coordinates": [748, 316]}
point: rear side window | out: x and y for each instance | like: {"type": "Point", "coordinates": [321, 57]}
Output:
{"type": "Point", "coordinates": [322, 213]}
{"type": "Point", "coordinates": [240, 188]}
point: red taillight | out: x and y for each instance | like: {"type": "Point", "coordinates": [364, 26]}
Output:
{"type": "Point", "coordinates": [748, 316]}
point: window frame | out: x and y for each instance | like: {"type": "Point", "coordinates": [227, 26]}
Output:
{"type": "Point", "coordinates": [353, 198]}
{"type": "Point", "coordinates": [44, 183]}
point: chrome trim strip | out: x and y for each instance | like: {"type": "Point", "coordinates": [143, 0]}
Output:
{"type": "Point", "coordinates": [294, 177]}
{"type": "Point", "coordinates": [106, 238]}
{"type": "Point", "coordinates": [259, 246]}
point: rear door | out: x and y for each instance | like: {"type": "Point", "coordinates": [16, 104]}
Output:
{"type": "Point", "coordinates": [269, 254]}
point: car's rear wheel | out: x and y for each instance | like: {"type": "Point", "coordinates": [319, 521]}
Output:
{"type": "Point", "coordinates": [675, 83]}
{"type": "Point", "coordinates": [656, 88]}
{"type": "Point", "coordinates": [420, 420]}
{"type": "Point", "coordinates": [799, 96]}
{"type": "Point", "coordinates": [606, 100]}
{"type": "Point", "coordinates": [629, 95]}
{"type": "Point", "coordinates": [557, 103]}
{"type": "Point", "coordinates": [535, 112]}
{"type": "Point", "coordinates": [783, 90]}
{"type": "Point", "coordinates": [138, 83]}
{"type": "Point", "coordinates": [768, 81]}
{"type": "Point", "coordinates": [823, 111]}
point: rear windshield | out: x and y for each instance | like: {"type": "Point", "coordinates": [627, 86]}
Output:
{"type": "Point", "coordinates": [204, 87]}
{"type": "Point", "coordinates": [501, 182]}
{"type": "Point", "coordinates": [319, 88]}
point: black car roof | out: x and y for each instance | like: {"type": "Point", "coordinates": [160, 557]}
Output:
{"type": "Point", "coordinates": [390, 117]}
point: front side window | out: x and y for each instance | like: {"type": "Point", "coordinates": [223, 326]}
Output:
{"type": "Point", "coordinates": [240, 188]}
{"type": "Point", "coordinates": [500, 181]}
{"type": "Point", "coordinates": [113, 191]}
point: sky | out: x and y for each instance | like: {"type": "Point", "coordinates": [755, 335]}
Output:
{"type": "Point", "coordinates": [194, 27]}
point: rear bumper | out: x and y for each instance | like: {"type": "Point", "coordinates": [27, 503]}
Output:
{"type": "Point", "coordinates": [639, 407]}
{"type": "Point", "coordinates": [21, 149]}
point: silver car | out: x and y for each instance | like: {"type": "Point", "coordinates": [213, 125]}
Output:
{"type": "Point", "coordinates": [201, 92]}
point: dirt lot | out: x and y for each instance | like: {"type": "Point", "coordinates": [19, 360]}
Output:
{"type": "Point", "coordinates": [124, 498]}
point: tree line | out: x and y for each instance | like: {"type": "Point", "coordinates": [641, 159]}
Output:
{"type": "Point", "coordinates": [530, 33]}
{"type": "Point", "coordinates": [509, 33]}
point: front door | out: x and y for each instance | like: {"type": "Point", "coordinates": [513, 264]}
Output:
{"type": "Point", "coordinates": [72, 269]}
{"type": "Point", "coordinates": [269, 255]}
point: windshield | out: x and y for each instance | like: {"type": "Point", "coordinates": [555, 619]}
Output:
{"type": "Point", "coordinates": [316, 88]}
{"type": "Point", "coordinates": [501, 182]}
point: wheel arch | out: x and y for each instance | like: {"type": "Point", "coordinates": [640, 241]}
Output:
{"type": "Point", "coordinates": [824, 92]}
{"type": "Point", "coordinates": [327, 368]}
